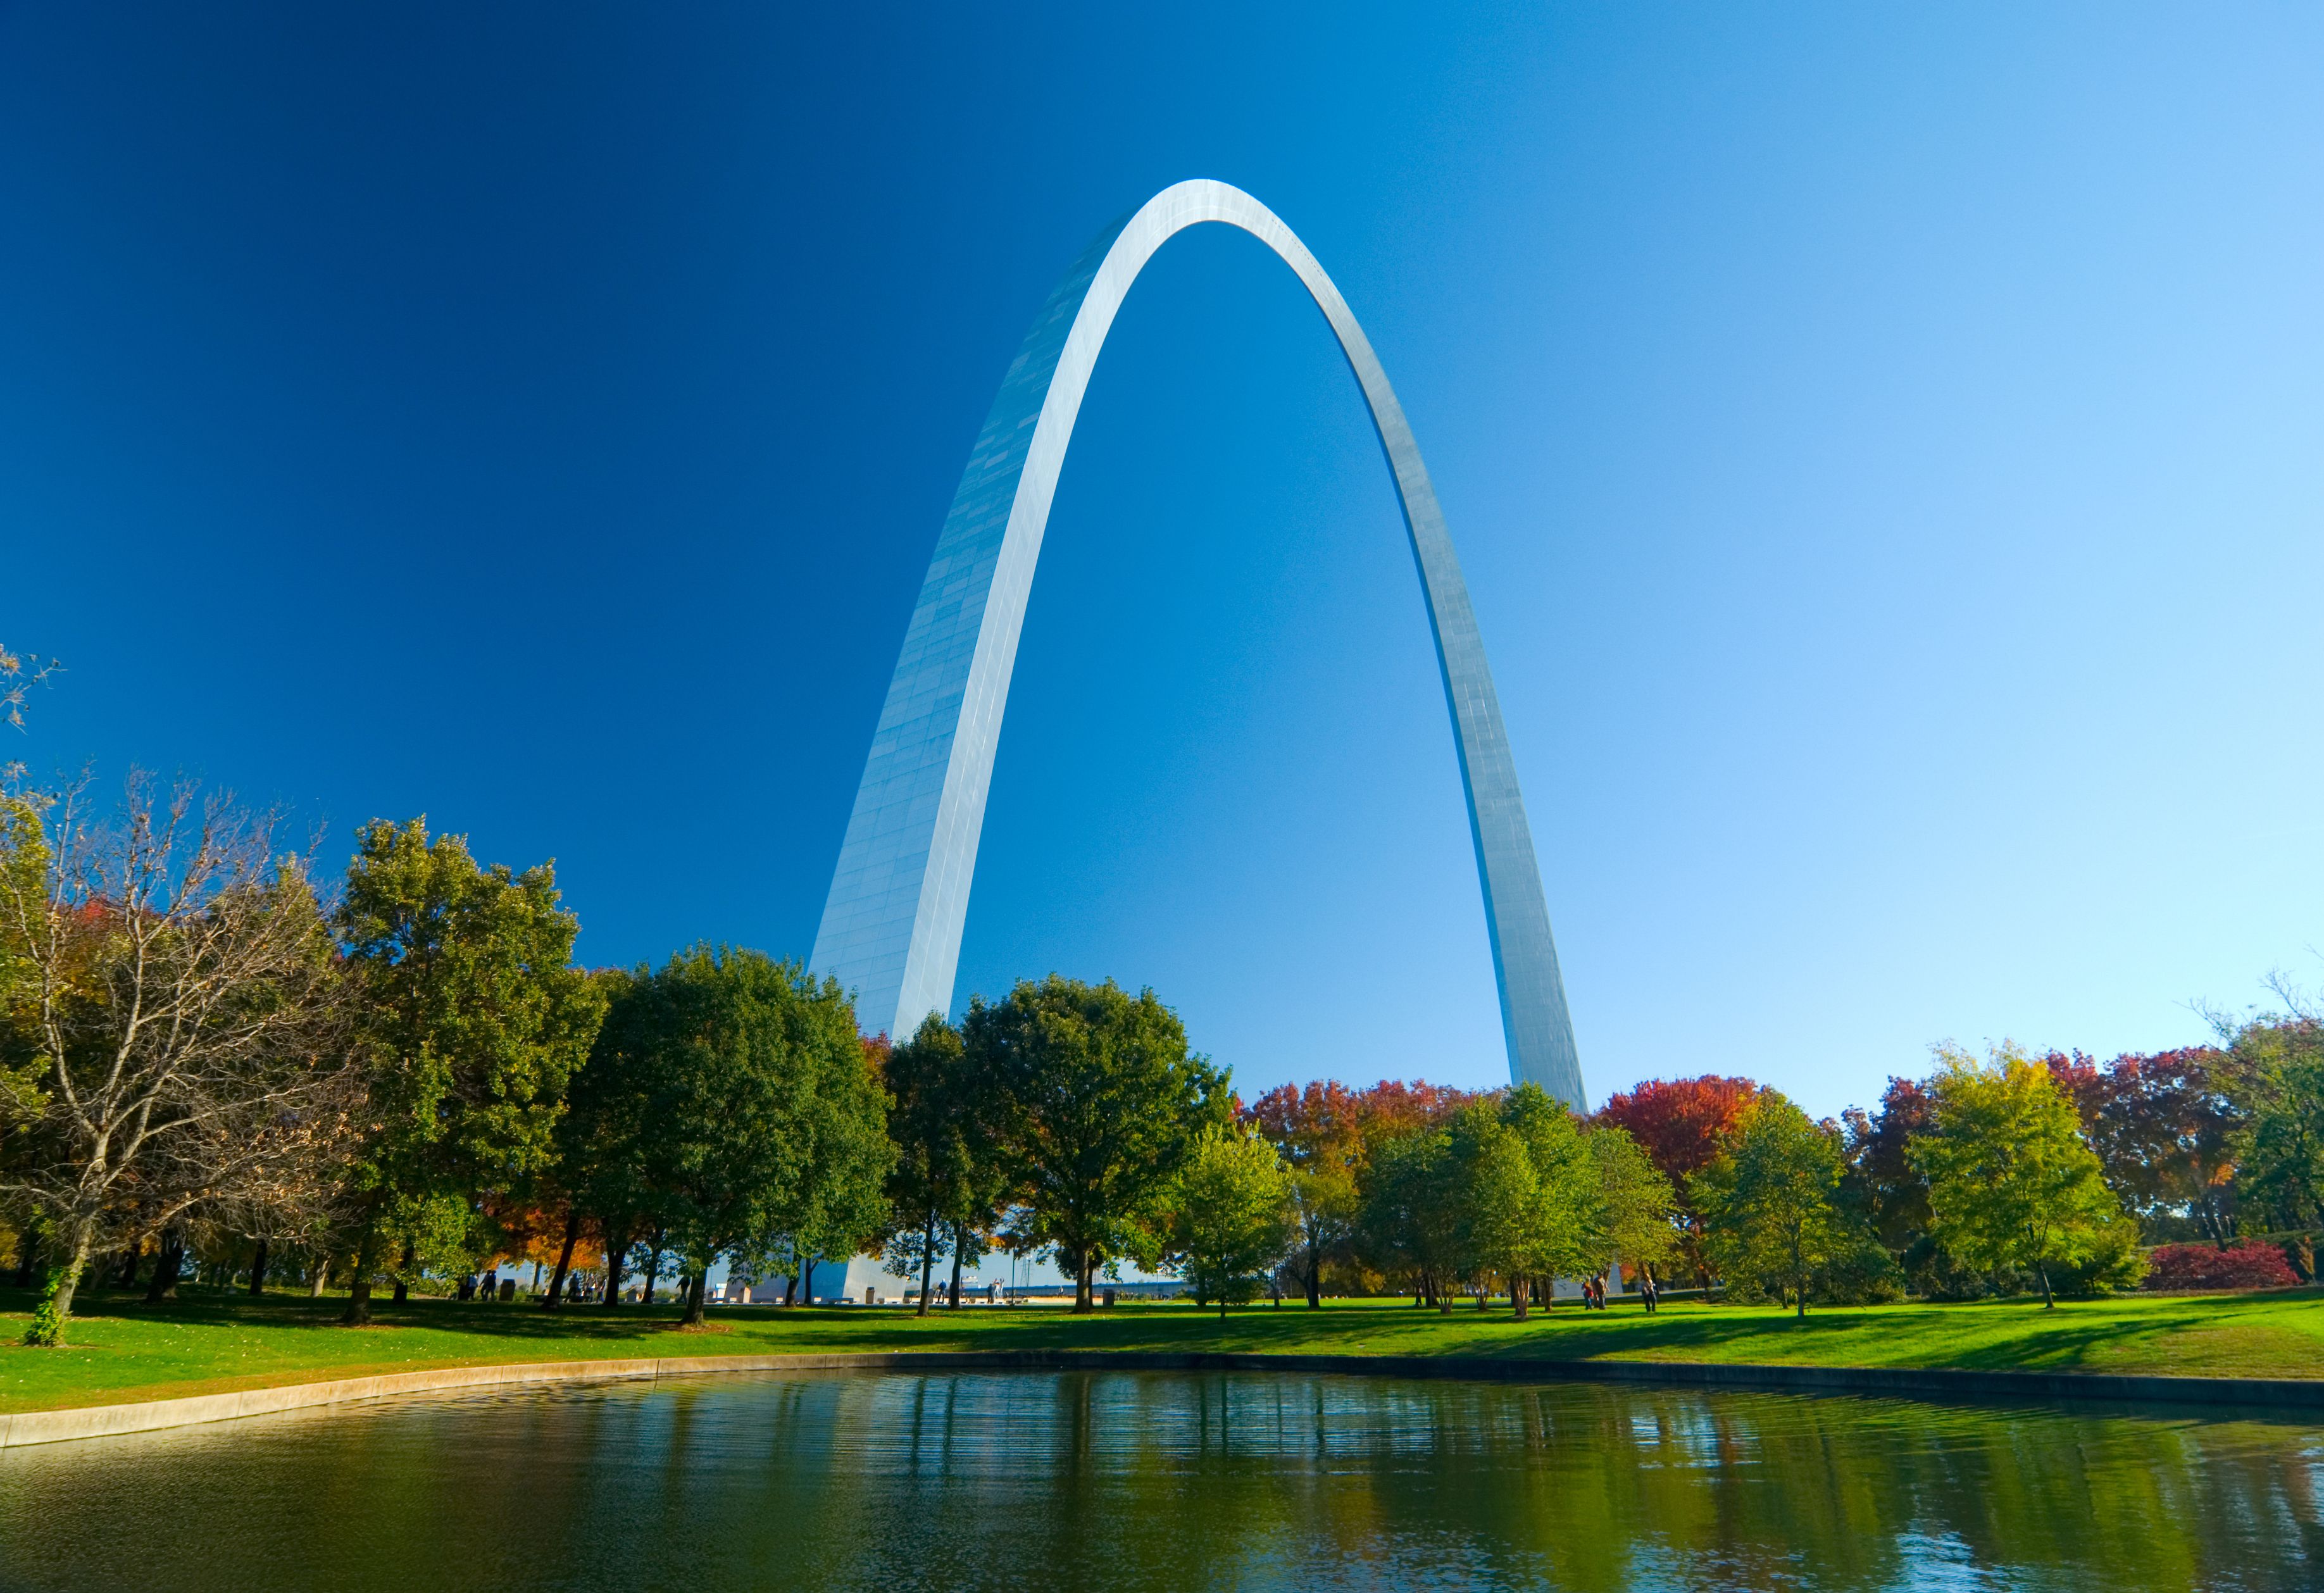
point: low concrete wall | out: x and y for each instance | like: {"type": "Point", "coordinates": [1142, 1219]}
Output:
{"type": "Point", "coordinates": [32, 1427]}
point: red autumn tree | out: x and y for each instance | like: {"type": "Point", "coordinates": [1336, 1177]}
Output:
{"type": "Point", "coordinates": [1393, 1107]}
{"type": "Point", "coordinates": [1314, 1125]}
{"type": "Point", "coordinates": [1326, 1123]}
{"type": "Point", "coordinates": [2162, 1125]}
{"type": "Point", "coordinates": [1894, 1193]}
{"type": "Point", "coordinates": [1680, 1125]}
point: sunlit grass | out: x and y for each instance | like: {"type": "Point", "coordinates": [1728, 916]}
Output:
{"type": "Point", "coordinates": [211, 1341]}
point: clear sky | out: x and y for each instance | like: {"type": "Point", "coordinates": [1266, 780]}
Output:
{"type": "Point", "coordinates": [1883, 445]}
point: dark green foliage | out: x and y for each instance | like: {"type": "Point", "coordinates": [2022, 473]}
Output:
{"type": "Point", "coordinates": [610, 1143]}
{"type": "Point", "coordinates": [1103, 1106]}
{"type": "Point", "coordinates": [2278, 1082]}
{"type": "Point", "coordinates": [766, 1126]}
{"type": "Point", "coordinates": [951, 1179]}
{"type": "Point", "coordinates": [1414, 1218]}
{"type": "Point", "coordinates": [474, 1021]}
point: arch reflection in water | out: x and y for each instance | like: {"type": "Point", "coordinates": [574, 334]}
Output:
{"type": "Point", "coordinates": [1158, 1480]}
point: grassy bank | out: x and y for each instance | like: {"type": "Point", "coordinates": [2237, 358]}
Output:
{"type": "Point", "coordinates": [212, 1342]}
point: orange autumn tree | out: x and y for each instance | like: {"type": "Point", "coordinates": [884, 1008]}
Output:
{"type": "Point", "coordinates": [1326, 1133]}
{"type": "Point", "coordinates": [1682, 1125]}
{"type": "Point", "coordinates": [1318, 1130]}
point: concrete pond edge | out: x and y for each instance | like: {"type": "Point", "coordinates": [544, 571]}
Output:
{"type": "Point", "coordinates": [2274, 1394]}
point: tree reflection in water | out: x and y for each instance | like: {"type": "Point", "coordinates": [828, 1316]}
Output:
{"type": "Point", "coordinates": [1136, 1480]}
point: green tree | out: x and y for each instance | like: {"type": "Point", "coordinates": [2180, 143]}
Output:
{"type": "Point", "coordinates": [475, 1020]}
{"type": "Point", "coordinates": [1324, 1208]}
{"type": "Point", "coordinates": [610, 1143]}
{"type": "Point", "coordinates": [1415, 1217]}
{"type": "Point", "coordinates": [2012, 1182]}
{"type": "Point", "coordinates": [1230, 1222]}
{"type": "Point", "coordinates": [949, 1180]}
{"type": "Point", "coordinates": [2277, 1081]}
{"type": "Point", "coordinates": [1543, 1218]}
{"type": "Point", "coordinates": [1104, 1106]}
{"type": "Point", "coordinates": [1642, 1210]}
{"type": "Point", "coordinates": [771, 1130]}
{"type": "Point", "coordinates": [1767, 1201]}
{"type": "Point", "coordinates": [1509, 1225]}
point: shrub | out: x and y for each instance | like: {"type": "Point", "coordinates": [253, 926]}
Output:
{"type": "Point", "coordinates": [2249, 1265]}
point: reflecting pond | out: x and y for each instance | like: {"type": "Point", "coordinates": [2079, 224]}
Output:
{"type": "Point", "coordinates": [1165, 1481]}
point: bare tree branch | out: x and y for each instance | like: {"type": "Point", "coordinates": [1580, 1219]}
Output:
{"type": "Point", "coordinates": [193, 1053]}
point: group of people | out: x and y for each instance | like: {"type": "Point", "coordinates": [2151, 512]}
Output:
{"type": "Point", "coordinates": [1593, 1291]}
{"type": "Point", "coordinates": [492, 1286]}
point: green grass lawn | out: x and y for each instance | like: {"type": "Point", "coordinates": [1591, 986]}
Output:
{"type": "Point", "coordinates": [212, 1341]}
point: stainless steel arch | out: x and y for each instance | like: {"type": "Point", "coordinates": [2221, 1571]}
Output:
{"type": "Point", "coordinates": [891, 925]}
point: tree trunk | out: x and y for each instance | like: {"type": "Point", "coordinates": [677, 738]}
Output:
{"type": "Point", "coordinates": [1083, 1265]}
{"type": "Point", "coordinates": [366, 1257]}
{"type": "Point", "coordinates": [555, 1295]}
{"type": "Point", "coordinates": [56, 1310]}
{"type": "Point", "coordinates": [697, 1287]}
{"type": "Point", "coordinates": [2049, 1301]}
{"type": "Point", "coordinates": [927, 1258]}
{"type": "Point", "coordinates": [403, 1273]}
{"type": "Point", "coordinates": [1315, 1279]}
{"type": "Point", "coordinates": [2302, 1257]}
{"type": "Point", "coordinates": [1519, 1289]}
{"type": "Point", "coordinates": [168, 1261]}
{"type": "Point", "coordinates": [617, 1252]}
{"type": "Point", "coordinates": [320, 1274]}
{"type": "Point", "coordinates": [258, 1270]}
{"type": "Point", "coordinates": [951, 1301]}
{"type": "Point", "coordinates": [653, 1267]}
{"type": "Point", "coordinates": [128, 1278]}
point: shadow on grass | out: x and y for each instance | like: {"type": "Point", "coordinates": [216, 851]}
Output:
{"type": "Point", "coordinates": [220, 1307]}
{"type": "Point", "coordinates": [1987, 1336]}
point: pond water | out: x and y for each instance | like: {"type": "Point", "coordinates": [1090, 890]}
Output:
{"type": "Point", "coordinates": [1137, 1480]}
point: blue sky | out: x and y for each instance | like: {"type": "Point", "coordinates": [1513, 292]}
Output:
{"type": "Point", "coordinates": [1884, 446]}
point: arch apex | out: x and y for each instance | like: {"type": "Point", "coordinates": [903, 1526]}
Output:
{"type": "Point", "coordinates": [892, 922]}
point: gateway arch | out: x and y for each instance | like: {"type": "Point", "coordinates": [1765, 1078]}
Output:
{"type": "Point", "coordinates": [891, 926]}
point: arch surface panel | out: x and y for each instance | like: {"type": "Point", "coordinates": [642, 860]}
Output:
{"type": "Point", "coordinates": [891, 925]}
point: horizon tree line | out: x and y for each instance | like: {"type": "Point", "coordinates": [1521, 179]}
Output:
{"type": "Point", "coordinates": [395, 1077]}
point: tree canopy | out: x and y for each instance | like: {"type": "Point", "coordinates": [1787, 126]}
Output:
{"type": "Point", "coordinates": [2011, 1181]}
{"type": "Point", "coordinates": [1104, 1106]}
{"type": "Point", "coordinates": [1229, 1217]}
{"type": "Point", "coordinates": [1770, 1201]}
{"type": "Point", "coordinates": [474, 1019]}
